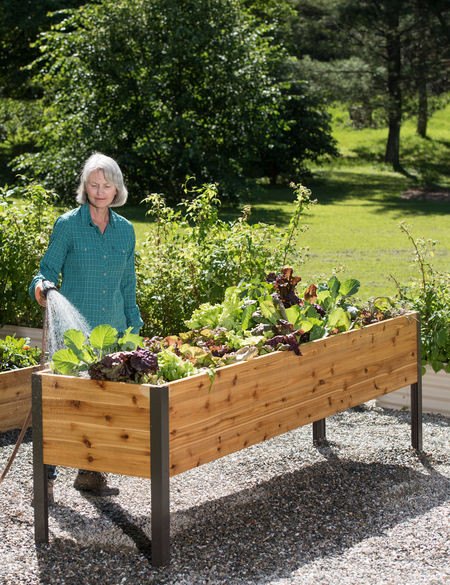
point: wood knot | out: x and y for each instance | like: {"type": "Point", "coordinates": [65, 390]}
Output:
{"type": "Point", "coordinates": [134, 399]}
{"type": "Point", "coordinates": [235, 379]}
{"type": "Point", "coordinates": [75, 403]}
{"type": "Point", "coordinates": [108, 417]}
{"type": "Point", "coordinates": [87, 442]}
{"type": "Point", "coordinates": [125, 436]}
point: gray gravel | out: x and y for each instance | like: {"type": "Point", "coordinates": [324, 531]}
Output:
{"type": "Point", "coordinates": [364, 509]}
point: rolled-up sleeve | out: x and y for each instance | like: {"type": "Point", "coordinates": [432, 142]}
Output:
{"type": "Point", "coordinates": [53, 259]}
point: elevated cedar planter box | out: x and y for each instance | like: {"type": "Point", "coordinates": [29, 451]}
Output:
{"type": "Point", "coordinates": [160, 431]}
{"type": "Point", "coordinates": [15, 397]}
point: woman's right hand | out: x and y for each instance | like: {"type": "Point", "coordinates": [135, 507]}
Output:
{"type": "Point", "coordinates": [39, 294]}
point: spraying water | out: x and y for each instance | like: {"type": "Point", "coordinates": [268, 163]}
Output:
{"type": "Point", "coordinates": [61, 316]}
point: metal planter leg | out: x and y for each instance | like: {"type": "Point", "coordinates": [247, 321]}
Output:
{"type": "Point", "coordinates": [416, 398]}
{"type": "Point", "coordinates": [159, 470]}
{"type": "Point", "coordinates": [40, 482]}
{"type": "Point", "coordinates": [319, 431]}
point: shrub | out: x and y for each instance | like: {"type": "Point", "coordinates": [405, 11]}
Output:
{"type": "Point", "coordinates": [16, 353]}
{"type": "Point", "coordinates": [192, 256]}
{"type": "Point", "coordinates": [24, 232]}
{"type": "Point", "coordinates": [430, 296]}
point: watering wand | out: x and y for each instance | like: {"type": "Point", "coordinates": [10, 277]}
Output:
{"type": "Point", "coordinates": [47, 286]}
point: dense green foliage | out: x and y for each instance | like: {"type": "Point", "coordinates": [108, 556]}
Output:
{"type": "Point", "coordinates": [168, 89]}
{"type": "Point", "coordinates": [254, 318]}
{"type": "Point", "coordinates": [193, 256]}
{"type": "Point", "coordinates": [430, 296]}
{"type": "Point", "coordinates": [24, 232]}
{"type": "Point", "coordinates": [16, 353]}
{"type": "Point", "coordinates": [20, 23]}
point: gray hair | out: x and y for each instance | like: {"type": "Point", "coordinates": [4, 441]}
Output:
{"type": "Point", "coordinates": [112, 172]}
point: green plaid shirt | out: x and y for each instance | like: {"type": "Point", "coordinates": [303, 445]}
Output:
{"type": "Point", "coordinates": [97, 270]}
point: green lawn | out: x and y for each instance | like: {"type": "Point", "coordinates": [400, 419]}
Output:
{"type": "Point", "coordinates": [355, 224]}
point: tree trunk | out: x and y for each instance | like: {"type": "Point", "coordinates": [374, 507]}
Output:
{"type": "Point", "coordinates": [393, 144]}
{"type": "Point", "coordinates": [421, 69]}
{"type": "Point", "coordinates": [393, 50]}
{"type": "Point", "coordinates": [422, 111]}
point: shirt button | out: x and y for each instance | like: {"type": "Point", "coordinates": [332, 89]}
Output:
{"type": "Point", "coordinates": [103, 308]}
{"type": "Point", "coordinates": [85, 249]}
{"type": "Point", "coordinates": [104, 256]}
{"type": "Point", "coordinates": [104, 292]}
{"type": "Point", "coordinates": [104, 274]}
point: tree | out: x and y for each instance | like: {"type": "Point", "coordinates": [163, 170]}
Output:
{"type": "Point", "coordinates": [20, 23]}
{"type": "Point", "coordinates": [300, 128]}
{"type": "Point", "coordinates": [168, 89]}
{"type": "Point", "coordinates": [428, 57]}
{"type": "Point", "coordinates": [397, 45]}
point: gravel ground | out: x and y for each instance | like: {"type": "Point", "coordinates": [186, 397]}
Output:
{"type": "Point", "coordinates": [363, 509]}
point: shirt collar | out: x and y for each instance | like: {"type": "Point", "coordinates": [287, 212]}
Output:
{"type": "Point", "coordinates": [86, 216]}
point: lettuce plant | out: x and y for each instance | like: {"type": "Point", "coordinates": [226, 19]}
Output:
{"type": "Point", "coordinates": [82, 353]}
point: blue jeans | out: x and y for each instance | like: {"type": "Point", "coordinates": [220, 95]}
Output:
{"type": "Point", "coordinates": [51, 472]}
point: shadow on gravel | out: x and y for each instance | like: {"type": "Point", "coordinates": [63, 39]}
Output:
{"type": "Point", "coordinates": [10, 437]}
{"type": "Point", "coordinates": [261, 534]}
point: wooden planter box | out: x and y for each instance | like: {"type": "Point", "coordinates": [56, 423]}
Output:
{"type": "Point", "coordinates": [15, 397]}
{"type": "Point", "coordinates": [159, 431]}
{"type": "Point", "coordinates": [34, 334]}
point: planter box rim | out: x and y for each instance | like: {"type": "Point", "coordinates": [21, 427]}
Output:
{"type": "Point", "coordinates": [19, 369]}
{"type": "Point", "coordinates": [410, 314]}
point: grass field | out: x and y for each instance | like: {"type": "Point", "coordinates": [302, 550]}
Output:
{"type": "Point", "coordinates": [355, 224]}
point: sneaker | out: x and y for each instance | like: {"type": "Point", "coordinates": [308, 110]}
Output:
{"type": "Point", "coordinates": [94, 483]}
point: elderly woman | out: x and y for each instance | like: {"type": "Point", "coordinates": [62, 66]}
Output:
{"type": "Point", "coordinates": [92, 248]}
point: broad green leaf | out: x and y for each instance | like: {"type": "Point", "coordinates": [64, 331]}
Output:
{"type": "Point", "coordinates": [74, 339]}
{"type": "Point", "coordinates": [325, 299]}
{"type": "Point", "coordinates": [349, 287]}
{"type": "Point", "coordinates": [334, 285]}
{"type": "Point", "coordinates": [317, 332]}
{"type": "Point", "coordinates": [247, 315]}
{"type": "Point", "coordinates": [339, 318]}
{"type": "Point", "coordinates": [296, 316]}
{"type": "Point", "coordinates": [269, 311]}
{"type": "Point", "coordinates": [305, 325]}
{"type": "Point", "coordinates": [103, 336]}
{"type": "Point", "coordinates": [130, 341]}
{"type": "Point", "coordinates": [65, 361]}
{"type": "Point", "coordinates": [436, 365]}
{"type": "Point", "coordinates": [441, 337]}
